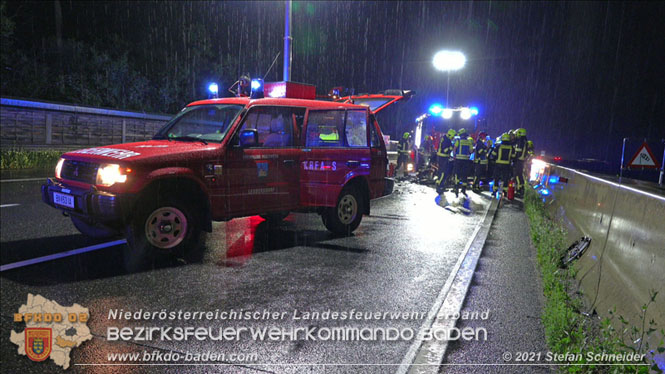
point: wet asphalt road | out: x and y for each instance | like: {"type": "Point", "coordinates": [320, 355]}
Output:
{"type": "Point", "coordinates": [397, 261]}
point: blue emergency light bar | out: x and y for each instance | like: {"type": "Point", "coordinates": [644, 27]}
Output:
{"type": "Point", "coordinates": [257, 89]}
{"type": "Point", "coordinates": [213, 89]}
{"type": "Point", "coordinates": [436, 109]}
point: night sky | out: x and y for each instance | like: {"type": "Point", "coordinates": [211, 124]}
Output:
{"type": "Point", "coordinates": [579, 76]}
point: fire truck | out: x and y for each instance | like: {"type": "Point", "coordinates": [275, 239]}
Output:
{"type": "Point", "coordinates": [276, 151]}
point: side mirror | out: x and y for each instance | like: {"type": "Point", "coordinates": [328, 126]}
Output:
{"type": "Point", "coordinates": [249, 138]}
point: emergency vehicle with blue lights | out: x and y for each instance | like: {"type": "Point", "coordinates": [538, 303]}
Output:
{"type": "Point", "coordinates": [223, 158]}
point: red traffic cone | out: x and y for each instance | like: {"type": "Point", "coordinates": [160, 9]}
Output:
{"type": "Point", "coordinates": [511, 190]}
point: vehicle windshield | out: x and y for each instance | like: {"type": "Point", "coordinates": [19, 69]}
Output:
{"type": "Point", "coordinates": [201, 122]}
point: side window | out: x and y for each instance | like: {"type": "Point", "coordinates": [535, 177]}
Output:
{"type": "Point", "coordinates": [274, 125]}
{"type": "Point", "coordinates": [324, 128]}
{"type": "Point", "coordinates": [373, 136]}
{"type": "Point", "coordinates": [356, 128]}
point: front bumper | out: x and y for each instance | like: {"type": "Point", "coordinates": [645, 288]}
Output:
{"type": "Point", "coordinates": [93, 204]}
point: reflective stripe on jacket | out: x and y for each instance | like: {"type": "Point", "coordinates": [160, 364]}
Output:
{"type": "Point", "coordinates": [445, 147]}
{"type": "Point", "coordinates": [480, 152]}
{"type": "Point", "coordinates": [503, 152]}
{"type": "Point", "coordinates": [463, 148]}
{"type": "Point", "coordinates": [520, 149]}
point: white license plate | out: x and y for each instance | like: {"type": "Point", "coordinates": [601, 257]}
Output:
{"type": "Point", "coordinates": [64, 200]}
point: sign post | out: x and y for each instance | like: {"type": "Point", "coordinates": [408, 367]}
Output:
{"type": "Point", "coordinates": [662, 166]}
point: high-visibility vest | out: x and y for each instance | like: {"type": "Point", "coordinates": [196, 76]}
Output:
{"type": "Point", "coordinates": [463, 148]}
{"type": "Point", "coordinates": [504, 152]}
{"type": "Point", "coordinates": [445, 147]}
{"type": "Point", "coordinates": [403, 146]}
{"type": "Point", "coordinates": [520, 149]}
{"type": "Point", "coordinates": [480, 153]}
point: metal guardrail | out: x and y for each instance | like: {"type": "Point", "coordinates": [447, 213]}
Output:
{"type": "Point", "coordinates": [80, 109]}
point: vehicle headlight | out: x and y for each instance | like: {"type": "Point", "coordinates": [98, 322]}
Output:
{"type": "Point", "coordinates": [58, 167]}
{"type": "Point", "coordinates": [409, 167]}
{"type": "Point", "coordinates": [110, 174]}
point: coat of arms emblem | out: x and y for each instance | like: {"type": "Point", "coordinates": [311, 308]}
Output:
{"type": "Point", "coordinates": [38, 343]}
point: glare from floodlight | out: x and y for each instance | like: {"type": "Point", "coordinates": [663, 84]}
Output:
{"type": "Point", "coordinates": [474, 110]}
{"type": "Point", "coordinates": [447, 113]}
{"type": "Point", "coordinates": [449, 60]}
{"type": "Point", "coordinates": [465, 113]}
{"type": "Point", "coordinates": [213, 88]}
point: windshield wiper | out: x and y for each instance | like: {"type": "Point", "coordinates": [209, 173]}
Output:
{"type": "Point", "coordinates": [189, 138]}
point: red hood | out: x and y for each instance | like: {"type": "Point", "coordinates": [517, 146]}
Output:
{"type": "Point", "coordinates": [130, 153]}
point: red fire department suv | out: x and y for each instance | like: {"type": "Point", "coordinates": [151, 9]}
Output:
{"type": "Point", "coordinates": [224, 158]}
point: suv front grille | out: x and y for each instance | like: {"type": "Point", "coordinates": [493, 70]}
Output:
{"type": "Point", "coordinates": [79, 171]}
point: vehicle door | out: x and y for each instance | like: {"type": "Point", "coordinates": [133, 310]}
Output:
{"type": "Point", "coordinates": [379, 159]}
{"type": "Point", "coordinates": [336, 150]}
{"type": "Point", "coordinates": [263, 176]}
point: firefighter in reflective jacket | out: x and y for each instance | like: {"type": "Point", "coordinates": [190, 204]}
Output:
{"type": "Point", "coordinates": [480, 160]}
{"type": "Point", "coordinates": [403, 152]}
{"type": "Point", "coordinates": [502, 153]}
{"type": "Point", "coordinates": [463, 165]}
{"type": "Point", "coordinates": [424, 153]}
{"type": "Point", "coordinates": [490, 159]}
{"type": "Point", "coordinates": [529, 149]}
{"type": "Point", "coordinates": [443, 159]}
{"type": "Point", "coordinates": [519, 158]}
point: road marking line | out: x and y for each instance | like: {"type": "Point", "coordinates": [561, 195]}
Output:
{"type": "Point", "coordinates": [23, 180]}
{"type": "Point", "coordinates": [8, 205]}
{"type": "Point", "coordinates": [56, 256]}
{"type": "Point", "coordinates": [425, 357]}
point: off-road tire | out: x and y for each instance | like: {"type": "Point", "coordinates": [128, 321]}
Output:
{"type": "Point", "coordinates": [182, 237]}
{"type": "Point", "coordinates": [345, 217]}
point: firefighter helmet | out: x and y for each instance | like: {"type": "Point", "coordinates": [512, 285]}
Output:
{"type": "Point", "coordinates": [406, 135]}
{"type": "Point", "coordinates": [505, 137]}
{"type": "Point", "coordinates": [451, 133]}
{"type": "Point", "coordinates": [461, 131]}
{"type": "Point", "coordinates": [521, 132]}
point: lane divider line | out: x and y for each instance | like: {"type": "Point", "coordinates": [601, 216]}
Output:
{"type": "Point", "coordinates": [23, 180]}
{"type": "Point", "coordinates": [426, 356]}
{"type": "Point", "coordinates": [8, 205]}
{"type": "Point", "coordinates": [56, 256]}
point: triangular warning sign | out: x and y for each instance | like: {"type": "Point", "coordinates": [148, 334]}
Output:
{"type": "Point", "coordinates": [644, 158]}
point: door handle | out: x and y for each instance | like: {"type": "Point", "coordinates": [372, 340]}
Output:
{"type": "Point", "coordinates": [289, 163]}
{"type": "Point", "coordinates": [353, 164]}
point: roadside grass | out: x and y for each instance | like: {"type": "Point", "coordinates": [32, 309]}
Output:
{"type": "Point", "coordinates": [567, 330]}
{"type": "Point", "coordinates": [27, 159]}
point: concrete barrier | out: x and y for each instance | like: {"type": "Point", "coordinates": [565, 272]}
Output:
{"type": "Point", "coordinates": [626, 259]}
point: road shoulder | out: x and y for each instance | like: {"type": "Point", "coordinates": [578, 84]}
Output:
{"type": "Point", "coordinates": [507, 288]}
